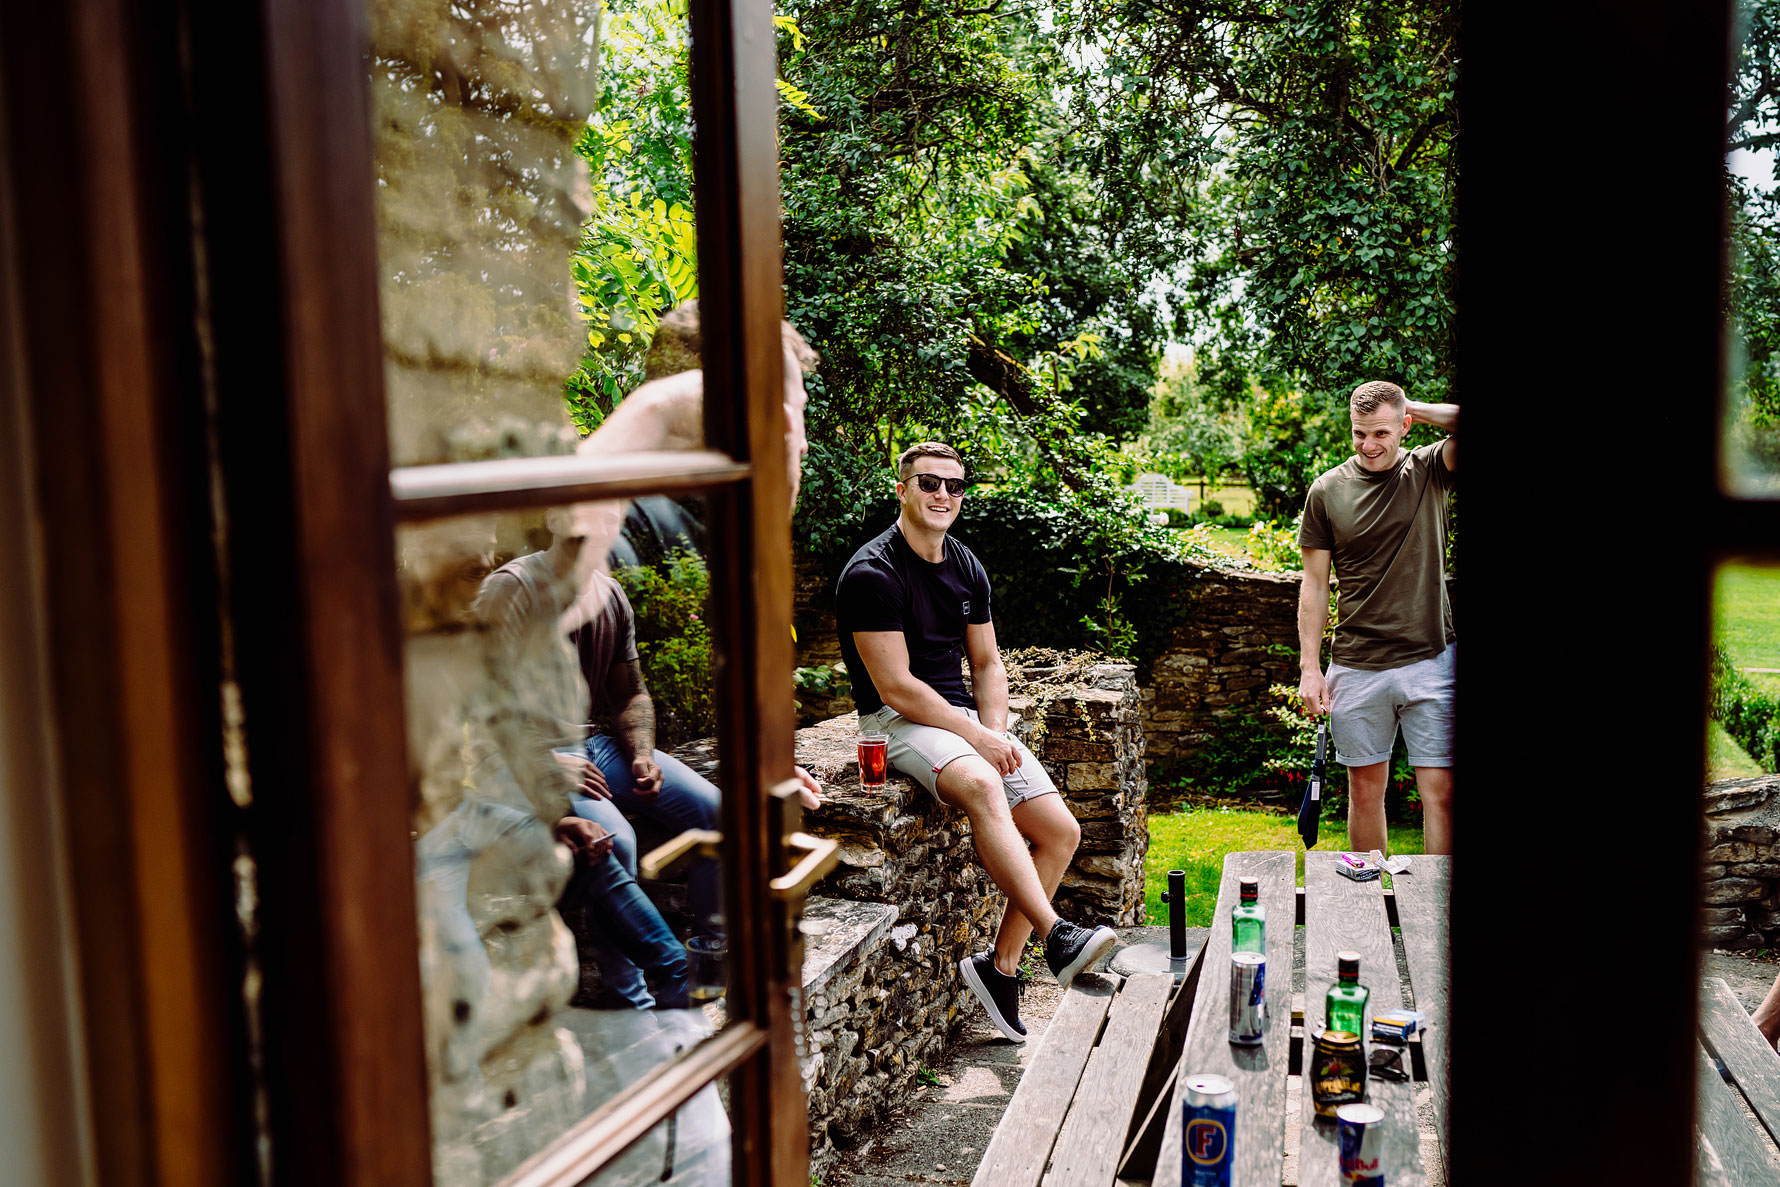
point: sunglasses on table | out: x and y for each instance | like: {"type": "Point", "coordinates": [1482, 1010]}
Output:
{"type": "Point", "coordinates": [930, 483]}
{"type": "Point", "coordinates": [1387, 1063]}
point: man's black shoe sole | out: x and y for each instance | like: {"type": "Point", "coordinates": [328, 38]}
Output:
{"type": "Point", "coordinates": [968, 968]}
{"type": "Point", "coordinates": [1099, 946]}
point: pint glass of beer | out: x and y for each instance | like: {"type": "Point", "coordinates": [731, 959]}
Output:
{"type": "Point", "coordinates": [874, 763]}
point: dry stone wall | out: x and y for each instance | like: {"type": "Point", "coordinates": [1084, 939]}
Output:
{"type": "Point", "coordinates": [1239, 634]}
{"type": "Point", "coordinates": [909, 898]}
{"type": "Point", "coordinates": [1742, 873]}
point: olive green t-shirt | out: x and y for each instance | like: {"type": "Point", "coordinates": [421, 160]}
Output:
{"type": "Point", "coordinates": [1387, 532]}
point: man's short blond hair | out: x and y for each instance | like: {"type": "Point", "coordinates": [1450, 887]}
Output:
{"type": "Point", "coordinates": [905, 465]}
{"type": "Point", "coordinates": [679, 341]}
{"type": "Point", "coordinates": [1370, 397]}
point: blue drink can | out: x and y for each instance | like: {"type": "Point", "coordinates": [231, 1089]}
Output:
{"type": "Point", "coordinates": [1362, 1143]}
{"type": "Point", "coordinates": [1208, 1131]}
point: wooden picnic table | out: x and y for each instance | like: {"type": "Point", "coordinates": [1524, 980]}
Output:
{"type": "Point", "coordinates": [1338, 915]}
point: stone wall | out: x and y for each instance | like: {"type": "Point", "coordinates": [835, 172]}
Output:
{"type": "Point", "coordinates": [882, 1005]}
{"type": "Point", "coordinates": [1742, 873]}
{"type": "Point", "coordinates": [1239, 634]}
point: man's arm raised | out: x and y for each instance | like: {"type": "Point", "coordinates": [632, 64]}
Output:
{"type": "Point", "coordinates": [1444, 417]}
{"type": "Point", "coordinates": [1313, 617]}
{"type": "Point", "coordinates": [885, 655]}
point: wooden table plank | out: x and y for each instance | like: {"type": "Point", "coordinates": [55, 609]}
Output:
{"type": "Point", "coordinates": [1021, 1147]}
{"type": "Point", "coordinates": [1423, 894]}
{"type": "Point", "coordinates": [1258, 1073]}
{"type": "Point", "coordinates": [1093, 1135]}
{"type": "Point", "coordinates": [1730, 1034]}
{"type": "Point", "coordinates": [1730, 1154]}
{"type": "Point", "coordinates": [1339, 915]}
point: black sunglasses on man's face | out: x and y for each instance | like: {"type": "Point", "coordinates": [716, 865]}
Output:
{"type": "Point", "coordinates": [932, 482]}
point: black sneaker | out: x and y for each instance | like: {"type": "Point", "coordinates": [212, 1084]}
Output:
{"type": "Point", "coordinates": [1070, 949]}
{"type": "Point", "coordinates": [999, 993]}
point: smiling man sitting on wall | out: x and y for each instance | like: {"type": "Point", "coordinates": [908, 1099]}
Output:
{"type": "Point", "coordinates": [910, 605]}
{"type": "Point", "coordinates": [1380, 519]}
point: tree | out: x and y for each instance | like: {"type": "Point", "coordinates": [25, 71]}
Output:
{"type": "Point", "coordinates": [1306, 152]}
{"type": "Point", "coordinates": [1752, 290]}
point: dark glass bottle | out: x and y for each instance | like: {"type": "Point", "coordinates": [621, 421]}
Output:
{"type": "Point", "coordinates": [1248, 921]}
{"type": "Point", "coordinates": [1345, 1007]}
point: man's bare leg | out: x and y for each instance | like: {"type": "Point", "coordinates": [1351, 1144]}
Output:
{"type": "Point", "coordinates": [1046, 822]}
{"type": "Point", "coordinates": [1365, 807]}
{"type": "Point", "coordinates": [1767, 1015]}
{"type": "Point", "coordinates": [973, 786]}
{"type": "Point", "coordinates": [1434, 785]}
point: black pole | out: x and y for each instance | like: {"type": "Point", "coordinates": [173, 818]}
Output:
{"type": "Point", "coordinates": [1176, 898]}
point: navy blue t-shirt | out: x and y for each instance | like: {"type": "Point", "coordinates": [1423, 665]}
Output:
{"type": "Point", "coordinates": [887, 587]}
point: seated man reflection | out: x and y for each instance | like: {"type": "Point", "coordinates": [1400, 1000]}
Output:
{"type": "Point", "coordinates": [531, 603]}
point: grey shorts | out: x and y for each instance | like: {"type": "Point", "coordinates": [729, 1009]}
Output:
{"type": "Point", "coordinates": [922, 751]}
{"type": "Point", "coordinates": [1366, 707]}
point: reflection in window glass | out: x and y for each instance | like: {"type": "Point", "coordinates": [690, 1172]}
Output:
{"type": "Point", "coordinates": [534, 216]}
{"type": "Point", "coordinates": [558, 720]}
{"type": "Point", "coordinates": [1752, 422]}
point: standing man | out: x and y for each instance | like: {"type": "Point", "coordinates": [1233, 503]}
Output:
{"type": "Point", "coordinates": [1380, 519]}
{"type": "Point", "coordinates": [911, 604]}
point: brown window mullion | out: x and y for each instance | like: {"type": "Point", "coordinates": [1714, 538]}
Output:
{"type": "Point", "coordinates": [457, 488]}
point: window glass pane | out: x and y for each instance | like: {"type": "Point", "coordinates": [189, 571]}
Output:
{"type": "Point", "coordinates": [559, 721]}
{"type": "Point", "coordinates": [1752, 421]}
{"type": "Point", "coordinates": [1742, 875]}
{"type": "Point", "coordinates": [534, 215]}
{"type": "Point", "coordinates": [689, 1149]}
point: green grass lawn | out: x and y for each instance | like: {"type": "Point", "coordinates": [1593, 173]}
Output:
{"type": "Point", "coordinates": [1229, 541]}
{"type": "Point", "coordinates": [1195, 840]}
{"type": "Point", "coordinates": [1237, 500]}
{"type": "Point", "coordinates": [1725, 759]}
{"type": "Point", "coordinates": [1746, 614]}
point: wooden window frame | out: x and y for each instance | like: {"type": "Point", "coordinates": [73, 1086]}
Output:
{"type": "Point", "coordinates": [141, 210]}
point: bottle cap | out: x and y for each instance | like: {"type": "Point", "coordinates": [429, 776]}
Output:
{"type": "Point", "coordinates": [1347, 964]}
{"type": "Point", "coordinates": [1250, 889]}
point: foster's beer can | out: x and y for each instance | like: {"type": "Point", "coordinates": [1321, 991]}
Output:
{"type": "Point", "coordinates": [1208, 1131]}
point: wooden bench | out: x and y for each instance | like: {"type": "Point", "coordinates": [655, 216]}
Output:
{"type": "Point", "coordinates": [1338, 914]}
{"type": "Point", "coordinates": [1737, 1123]}
{"type": "Point", "coordinates": [1104, 1061]}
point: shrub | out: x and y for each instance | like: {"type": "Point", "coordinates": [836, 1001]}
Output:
{"type": "Point", "coordinates": [1211, 509]}
{"type": "Point", "coordinates": [674, 643]}
{"type": "Point", "coordinates": [1275, 547]}
{"type": "Point", "coordinates": [1747, 713]}
{"type": "Point", "coordinates": [1270, 749]}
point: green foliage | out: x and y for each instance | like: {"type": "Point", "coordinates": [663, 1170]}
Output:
{"type": "Point", "coordinates": [1304, 156]}
{"type": "Point", "coordinates": [828, 681]}
{"type": "Point", "coordinates": [638, 255]}
{"type": "Point", "coordinates": [1275, 547]}
{"type": "Point", "coordinates": [1193, 430]}
{"type": "Point", "coordinates": [1753, 291]}
{"type": "Point", "coordinates": [1750, 715]}
{"type": "Point", "coordinates": [1211, 510]}
{"type": "Point", "coordinates": [674, 644]}
{"type": "Point", "coordinates": [1268, 749]}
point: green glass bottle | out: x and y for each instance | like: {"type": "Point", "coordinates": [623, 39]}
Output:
{"type": "Point", "coordinates": [1248, 921]}
{"type": "Point", "coordinates": [1345, 1007]}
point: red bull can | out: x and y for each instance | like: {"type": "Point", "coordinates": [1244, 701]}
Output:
{"type": "Point", "coordinates": [1208, 1131]}
{"type": "Point", "coordinates": [1362, 1144]}
{"type": "Point", "coordinates": [1248, 997]}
